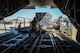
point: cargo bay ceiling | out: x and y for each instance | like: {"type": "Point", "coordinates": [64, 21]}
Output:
{"type": "Point", "coordinates": [69, 7]}
{"type": "Point", "coordinates": [8, 7]}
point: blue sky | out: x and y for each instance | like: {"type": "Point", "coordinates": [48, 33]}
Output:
{"type": "Point", "coordinates": [30, 13]}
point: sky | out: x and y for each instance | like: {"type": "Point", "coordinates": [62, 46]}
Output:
{"type": "Point", "coordinates": [30, 13]}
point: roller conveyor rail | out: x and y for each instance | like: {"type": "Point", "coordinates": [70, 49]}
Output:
{"type": "Point", "coordinates": [36, 43]}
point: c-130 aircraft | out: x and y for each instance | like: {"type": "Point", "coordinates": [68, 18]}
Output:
{"type": "Point", "coordinates": [71, 8]}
